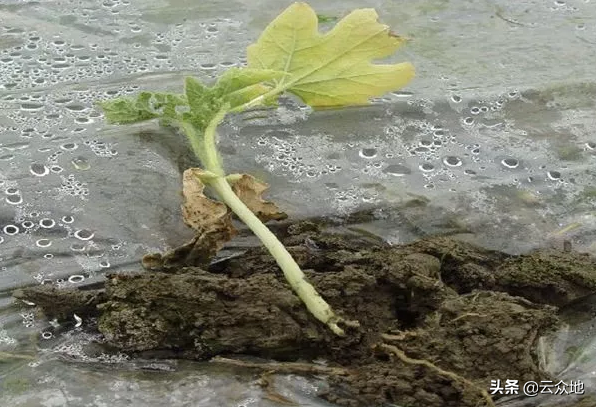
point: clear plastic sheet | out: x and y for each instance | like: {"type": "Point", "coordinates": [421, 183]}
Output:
{"type": "Point", "coordinates": [496, 132]}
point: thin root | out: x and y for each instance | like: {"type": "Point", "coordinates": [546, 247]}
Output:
{"type": "Point", "coordinates": [453, 376]}
{"type": "Point", "coordinates": [285, 367]}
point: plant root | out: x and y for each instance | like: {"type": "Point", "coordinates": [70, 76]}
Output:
{"type": "Point", "coordinates": [284, 367]}
{"type": "Point", "coordinates": [392, 349]}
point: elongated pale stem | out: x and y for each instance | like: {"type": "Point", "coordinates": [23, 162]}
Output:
{"type": "Point", "coordinates": [205, 147]}
{"type": "Point", "coordinates": [295, 277]}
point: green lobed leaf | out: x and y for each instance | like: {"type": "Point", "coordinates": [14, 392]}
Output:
{"type": "Point", "coordinates": [335, 68]}
{"type": "Point", "coordinates": [145, 106]}
{"type": "Point", "coordinates": [128, 110]}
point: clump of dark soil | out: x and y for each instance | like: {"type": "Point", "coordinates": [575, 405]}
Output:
{"type": "Point", "coordinates": [439, 319]}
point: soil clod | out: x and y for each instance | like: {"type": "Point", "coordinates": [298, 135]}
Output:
{"type": "Point", "coordinates": [439, 318]}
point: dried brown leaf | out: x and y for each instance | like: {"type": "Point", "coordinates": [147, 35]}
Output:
{"type": "Point", "coordinates": [250, 191]}
{"type": "Point", "coordinates": [199, 212]}
{"type": "Point", "coordinates": [211, 219]}
{"type": "Point", "coordinates": [199, 252]}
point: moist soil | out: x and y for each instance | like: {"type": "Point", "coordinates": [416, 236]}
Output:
{"type": "Point", "coordinates": [439, 318]}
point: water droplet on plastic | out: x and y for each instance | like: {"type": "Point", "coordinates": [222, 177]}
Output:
{"type": "Point", "coordinates": [47, 223]}
{"type": "Point", "coordinates": [39, 170]}
{"type": "Point", "coordinates": [469, 121]}
{"type": "Point", "coordinates": [84, 234]}
{"type": "Point", "coordinates": [14, 199]}
{"type": "Point", "coordinates": [69, 146]}
{"type": "Point", "coordinates": [77, 247]}
{"type": "Point", "coordinates": [11, 230]}
{"type": "Point", "coordinates": [510, 162]}
{"type": "Point", "coordinates": [426, 167]}
{"type": "Point", "coordinates": [31, 106]}
{"type": "Point", "coordinates": [67, 219]}
{"type": "Point", "coordinates": [43, 243]}
{"type": "Point", "coordinates": [76, 278]}
{"type": "Point", "coordinates": [452, 161]}
{"type": "Point", "coordinates": [81, 163]}
{"type": "Point", "coordinates": [368, 153]}
{"type": "Point", "coordinates": [397, 170]}
{"type": "Point", "coordinates": [47, 335]}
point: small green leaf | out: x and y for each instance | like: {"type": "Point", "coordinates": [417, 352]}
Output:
{"type": "Point", "coordinates": [202, 101]}
{"type": "Point", "coordinates": [146, 106]}
{"type": "Point", "coordinates": [127, 110]}
{"type": "Point", "coordinates": [196, 93]}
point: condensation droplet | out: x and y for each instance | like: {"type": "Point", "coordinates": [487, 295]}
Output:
{"type": "Point", "coordinates": [368, 153]}
{"type": "Point", "coordinates": [69, 146]}
{"type": "Point", "coordinates": [510, 162]}
{"type": "Point", "coordinates": [39, 170]}
{"type": "Point", "coordinates": [76, 278]}
{"type": "Point", "coordinates": [47, 223]}
{"type": "Point", "coordinates": [11, 230]}
{"type": "Point", "coordinates": [452, 161]}
{"type": "Point", "coordinates": [84, 234]}
{"type": "Point", "coordinates": [77, 247]}
{"type": "Point", "coordinates": [426, 167]}
{"type": "Point", "coordinates": [81, 163]}
{"type": "Point", "coordinates": [43, 243]}
{"type": "Point", "coordinates": [27, 224]}
{"type": "Point", "coordinates": [14, 199]}
{"type": "Point", "coordinates": [397, 170]}
{"type": "Point", "coordinates": [67, 219]}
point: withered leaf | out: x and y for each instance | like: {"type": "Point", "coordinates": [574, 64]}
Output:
{"type": "Point", "coordinates": [211, 220]}
{"type": "Point", "coordinates": [198, 252]}
{"type": "Point", "coordinates": [250, 191]}
{"type": "Point", "coordinates": [199, 212]}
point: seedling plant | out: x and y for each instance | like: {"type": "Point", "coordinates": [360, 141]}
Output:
{"type": "Point", "coordinates": [334, 69]}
